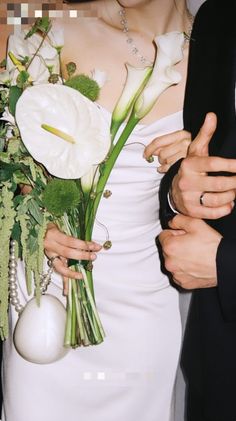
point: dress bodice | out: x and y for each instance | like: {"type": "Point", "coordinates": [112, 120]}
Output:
{"type": "Point", "coordinates": [129, 218]}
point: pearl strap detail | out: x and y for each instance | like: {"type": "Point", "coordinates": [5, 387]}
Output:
{"type": "Point", "coordinates": [13, 288]}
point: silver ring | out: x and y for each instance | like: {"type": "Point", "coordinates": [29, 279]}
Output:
{"type": "Point", "coordinates": [51, 260]}
{"type": "Point", "coordinates": [201, 199]}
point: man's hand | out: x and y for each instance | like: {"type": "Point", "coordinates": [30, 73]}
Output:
{"type": "Point", "coordinates": [194, 181]}
{"type": "Point", "coordinates": [189, 249]}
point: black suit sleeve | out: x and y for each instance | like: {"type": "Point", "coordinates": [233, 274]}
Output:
{"type": "Point", "coordinates": [166, 213]}
{"type": "Point", "coordinates": [226, 276]}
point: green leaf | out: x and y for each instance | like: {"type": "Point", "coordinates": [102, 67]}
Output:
{"type": "Point", "coordinates": [32, 243]}
{"type": "Point", "coordinates": [35, 211]}
{"type": "Point", "coordinates": [41, 24]}
{"type": "Point", "coordinates": [24, 60]}
{"type": "Point", "coordinates": [20, 178]}
{"type": "Point", "coordinates": [18, 200]}
{"type": "Point", "coordinates": [14, 94]}
{"type": "Point", "coordinates": [7, 171]}
{"type": "Point", "coordinates": [16, 232]}
{"type": "Point", "coordinates": [2, 144]}
{"type": "Point", "coordinates": [22, 79]}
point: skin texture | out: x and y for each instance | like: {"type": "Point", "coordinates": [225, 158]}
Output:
{"type": "Point", "coordinates": [192, 179]}
{"type": "Point", "coordinates": [100, 21]}
{"type": "Point", "coordinates": [190, 246]}
{"type": "Point", "coordinates": [189, 249]}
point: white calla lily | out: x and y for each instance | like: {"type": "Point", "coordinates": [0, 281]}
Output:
{"type": "Point", "coordinates": [62, 129]}
{"type": "Point", "coordinates": [169, 53]}
{"type": "Point", "coordinates": [135, 82]}
{"type": "Point", "coordinates": [99, 76]}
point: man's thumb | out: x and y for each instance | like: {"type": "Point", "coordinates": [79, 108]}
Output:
{"type": "Point", "coordinates": [199, 146]}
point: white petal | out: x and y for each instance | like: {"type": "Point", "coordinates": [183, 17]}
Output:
{"type": "Point", "coordinates": [169, 53]}
{"type": "Point", "coordinates": [56, 35]}
{"type": "Point", "coordinates": [135, 79]}
{"type": "Point", "coordinates": [100, 77]}
{"type": "Point", "coordinates": [67, 110]}
{"type": "Point", "coordinates": [5, 77]}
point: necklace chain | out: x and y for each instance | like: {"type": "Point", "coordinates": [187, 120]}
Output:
{"type": "Point", "coordinates": [133, 47]}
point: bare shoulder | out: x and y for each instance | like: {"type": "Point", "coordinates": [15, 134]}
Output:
{"type": "Point", "coordinates": [5, 31]}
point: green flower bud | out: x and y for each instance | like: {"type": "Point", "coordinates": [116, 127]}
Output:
{"type": "Point", "coordinates": [85, 85]}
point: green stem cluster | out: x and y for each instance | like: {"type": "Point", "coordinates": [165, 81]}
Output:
{"type": "Point", "coordinates": [83, 325]}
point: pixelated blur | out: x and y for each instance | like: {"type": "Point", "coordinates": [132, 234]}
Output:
{"type": "Point", "coordinates": [24, 13]}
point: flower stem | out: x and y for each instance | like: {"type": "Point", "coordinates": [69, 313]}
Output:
{"type": "Point", "coordinates": [109, 164]}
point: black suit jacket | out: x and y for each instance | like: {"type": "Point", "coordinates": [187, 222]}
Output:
{"type": "Point", "coordinates": [209, 349]}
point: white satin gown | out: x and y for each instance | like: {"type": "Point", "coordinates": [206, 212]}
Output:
{"type": "Point", "coordinates": [131, 375]}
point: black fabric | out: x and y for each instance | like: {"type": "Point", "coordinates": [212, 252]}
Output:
{"type": "Point", "coordinates": [209, 349]}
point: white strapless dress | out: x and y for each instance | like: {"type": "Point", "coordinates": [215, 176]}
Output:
{"type": "Point", "coordinates": [131, 375]}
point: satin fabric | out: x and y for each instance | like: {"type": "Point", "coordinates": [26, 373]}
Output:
{"type": "Point", "coordinates": [131, 375]}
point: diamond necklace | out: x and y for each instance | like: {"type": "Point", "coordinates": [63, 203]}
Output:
{"type": "Point", "coordinates": [133, 47]}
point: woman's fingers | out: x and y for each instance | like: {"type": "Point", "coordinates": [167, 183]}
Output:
{"type": "Point", "coordinates": [61, 267]}
{"type": "Point", "coordinates": [65, 247]}
{"type": "Point", "coordinates": [167, 154]}
{"type": "Point", "coordinates": [58, 243]}
{"type": "Point", "coordinates": [166, 140]}
{"type": "Point", "coordinates": [55, 235]}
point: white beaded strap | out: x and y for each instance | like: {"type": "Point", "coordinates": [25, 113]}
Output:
{"type": "Point", "coordinates": [13, 287]}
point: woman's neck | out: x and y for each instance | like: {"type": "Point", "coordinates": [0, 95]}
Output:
{"type": "Point", "coordinates": [150, 18]}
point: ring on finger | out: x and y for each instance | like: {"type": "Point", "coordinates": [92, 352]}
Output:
{"type": "Point", "coordinates": [51, 260]}
{"type": "Point", "coordinates": [201, 199]}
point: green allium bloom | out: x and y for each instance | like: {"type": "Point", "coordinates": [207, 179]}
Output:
{"type": "Point", "coordinates": [61, 196]}
{"type": "Point", "coordinates": [85, 85]}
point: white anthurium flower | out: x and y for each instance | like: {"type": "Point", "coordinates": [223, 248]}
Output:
{"type": "Point", "coordinates": [62, 129]}
{"type": "Point", "coordinates": [47, 55]}
{"type": "Point", "coordinates": [135, 81]}
{"type": "Point", "coordinates": [169, 53]}
{"type": "Point", "coordinates": [90, 179]}
{"type": "Point", "coordinates": [99, 76]}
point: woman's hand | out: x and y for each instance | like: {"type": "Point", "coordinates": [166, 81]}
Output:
{"type": "Point", "coordinates": [56, 243]}
{"type": "Point", "coordinates": [169, 148]}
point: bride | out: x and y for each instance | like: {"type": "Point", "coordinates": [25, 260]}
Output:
{"type": "Point", "coordinates": [131, 375]}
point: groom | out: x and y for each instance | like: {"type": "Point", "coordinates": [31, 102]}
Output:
{"type": "Point", "coordinates": [200, 249]}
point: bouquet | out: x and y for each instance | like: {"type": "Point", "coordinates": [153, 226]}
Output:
{"type": "Point", "coordinates": [55, 140]}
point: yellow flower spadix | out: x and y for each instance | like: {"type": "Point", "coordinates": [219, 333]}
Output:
{"type": "Point", "coordinates": [58, 133]}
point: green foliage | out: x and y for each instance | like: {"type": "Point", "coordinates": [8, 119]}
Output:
{"type": "Point", "coordinates": [3, 99]}
{"type": "Point", "coordinates": [7, 170]}
{"type": "Point", "coordinates": [23, 79]}
{"type": "Point", "coordinates": [85, 85]}
{"type": "Point", "coordinates": [42, 25]}
{"type": "Point", "coordinates": [61, 196]}
{"type": "Point", "coordinates": [70, 68]}
{"type": "Point", "coordinates": [14, 94]}
{"type": "Point", "coordinates": [7, 217]}
{"type": "Point", "coordinates": [3, 132]}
